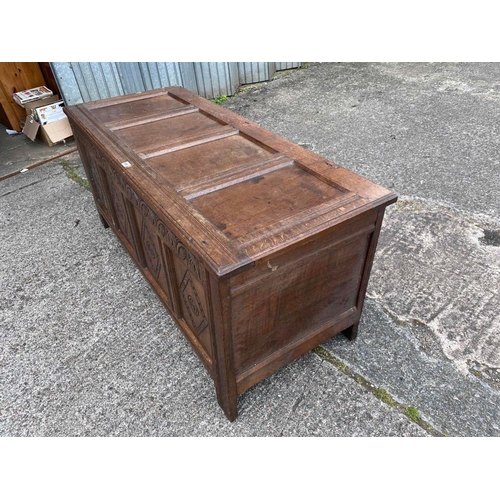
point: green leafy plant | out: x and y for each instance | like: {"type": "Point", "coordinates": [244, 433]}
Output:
{"type": "Point", "coordinates": [221, 99]}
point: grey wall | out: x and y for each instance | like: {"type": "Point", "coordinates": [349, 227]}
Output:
{"type": "Point", "coordinates": [90, 81]}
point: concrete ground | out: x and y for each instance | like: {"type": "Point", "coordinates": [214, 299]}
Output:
{"type": "Point", "coordinates": [87, 349]}
{"type": "Point", "coordinates": [18, 152]}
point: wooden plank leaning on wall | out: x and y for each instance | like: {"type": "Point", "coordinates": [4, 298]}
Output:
{"type": "Point", "coordinates": [14, 77]}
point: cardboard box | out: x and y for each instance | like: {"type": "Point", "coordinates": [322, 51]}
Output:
{"type": "Point", "coordinates": [30, 106]}
{"type": "Point", "coordinates": [50, 133]}
{"type": "Point", "coordinates": [55, 132]}
{"type": "Point", "coordinates": [49, 112]}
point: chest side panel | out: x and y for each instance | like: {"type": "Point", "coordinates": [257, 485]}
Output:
{"type": "Point", "coordinates": [296, 293]}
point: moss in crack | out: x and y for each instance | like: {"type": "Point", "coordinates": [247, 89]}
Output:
{"type": "Point", "coordinates": [323, 353]}
{"type": "Point", "coordinates": [417, 322]}
{"type": "Point", "coordinates": [412, 413]}
{"type": "Point", "coordinates": [241, 90]}
{"type": "Point", "coordinates": [409, 411]}
{"type": "Point", "coordinates": [400, 322]}
{"type": "Point", "coordinates": [70, 171]}
{"type": "Point", "coordinates": [384, 396]}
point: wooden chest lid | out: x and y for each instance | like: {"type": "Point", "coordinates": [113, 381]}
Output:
{"type": "Point", "coordinates": [235, 191]}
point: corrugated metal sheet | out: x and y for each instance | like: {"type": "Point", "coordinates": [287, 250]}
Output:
{"type": "Point", "coordinates": [161, 74]}
{"type": "Point", "coordinates": [85, 81]}
{"type": "Point", "coordinates": [216, 79]}
{"type": "Point", "coordinates": [280, 66]}
{"type": "Point", "coordinates": [89, 81]}
{"type": "Point", "coordinates": [131, 77]}
{"type": "Point", "coordinates": [253, 72]}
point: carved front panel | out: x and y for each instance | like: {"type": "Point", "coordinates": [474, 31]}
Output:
{"type": "Point", "coordinates": [94, 164]}
{"type": "Point", "coordinates": [122, 219]}
{"type": "Point", "coordinates": [192, 303]}
{"type": "Point", "coordinates": [149, 243]}
{"type": "Point", "coordinates": [176, 270]}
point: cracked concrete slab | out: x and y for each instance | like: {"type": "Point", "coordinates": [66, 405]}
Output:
{"type": "Point", "coordinates": [391, 356]}
{"type": "Point", "coordinates": [333, 406]}
{"type": "Point", "coordinates": [431, 267]}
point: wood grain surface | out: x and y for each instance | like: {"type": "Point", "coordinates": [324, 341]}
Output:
{"type": "Point", "coordinates": [14, 77]}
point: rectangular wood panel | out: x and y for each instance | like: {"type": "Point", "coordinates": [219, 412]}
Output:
{"type": "Point", "coordinates": [186, 166]}
{"type": "Point", "coordinates": [302, 297]}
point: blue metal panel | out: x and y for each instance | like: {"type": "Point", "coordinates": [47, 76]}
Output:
{"type": "Point", "coordinates": [97, 80]}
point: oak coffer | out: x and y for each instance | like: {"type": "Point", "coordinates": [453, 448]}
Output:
{"type": "Point", "coordinates": [258, 248]}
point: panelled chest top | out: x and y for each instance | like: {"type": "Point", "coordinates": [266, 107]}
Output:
{"type": "Point", "coordinates": [235, 191]}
